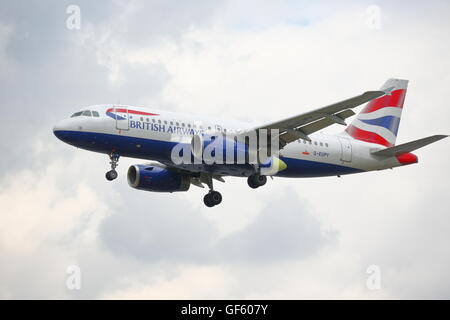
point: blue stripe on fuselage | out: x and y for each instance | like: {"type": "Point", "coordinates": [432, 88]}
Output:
{"type": "Point", "coordinates": [161, 151]}
{"type": "Point", "coordinates": [299, 168]}
{"type": "Point", "coordinates": [124, 145]}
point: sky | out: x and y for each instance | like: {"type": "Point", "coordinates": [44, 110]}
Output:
{"type": "Point", "coordinates": [245, 60]}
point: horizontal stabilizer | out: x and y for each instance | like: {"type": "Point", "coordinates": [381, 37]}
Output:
{"type": "Point", "coordinates": [408, 147]}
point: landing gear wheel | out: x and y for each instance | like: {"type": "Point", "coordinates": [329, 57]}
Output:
{"type": "Point", "coordinates": [213, 198]}
{"type": "Point", "coordinates": [261, 180]}
{"type": "Point", "coordinates": [256, 181]}
{"type": "Point", "coordinates": [208, 201]}
{"type": "Point", "coordinates": [216, 197]}
{"type": "Point", "coordinates": [251, 183]}
{"type": "Point", "coordinates": [111, 175]}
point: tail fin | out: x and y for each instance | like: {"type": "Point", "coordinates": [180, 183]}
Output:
{"type": "Point", "coordinates": [379, 120]}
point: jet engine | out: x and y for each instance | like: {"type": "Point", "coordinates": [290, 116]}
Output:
{"type": "Point", "coordinates": [157, 178]}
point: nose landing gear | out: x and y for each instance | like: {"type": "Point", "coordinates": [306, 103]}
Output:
{"type": "Point", "coordinates": [112, 174]}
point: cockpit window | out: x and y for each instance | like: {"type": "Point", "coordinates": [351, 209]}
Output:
{"type": "Point", "coordinates": [87, 113]}
{"type": "Point", "coordinates": [95, 114]}
{"type": "Point", "coordinates": [77, 114]}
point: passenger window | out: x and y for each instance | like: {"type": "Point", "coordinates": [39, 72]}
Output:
{"type": "Point", "coordinates": [147, 119]}
{"type": "Point", "coordinates": [178, 124]}
{"type": "Point", "coordinates": [159, 121]}
{"type": "Point", "coordinates": [153, 120]}
{"type": "Point", "coordinates": [315, 143]}
{"type": "Point", "coordinates": [77, 114]}
{"type": "Point", "coordinates": [321, 144]}
{"type": "Point", "coordinates": [326, 145]}
{"type": "Point", "coordinates": [142, 118]}
{"type": "Point", "coordinates": [189, 125]}
{"type": "Point", "coordinates": [87, 113]}
{"type": "Point", "coordinates": [171, 123]}
{"type": "Point", "coordinates": [165, 122]}
{"type": "Point", "coordinates": [182, 124]}
{"type": "Point", "coordinates": [95, 114]}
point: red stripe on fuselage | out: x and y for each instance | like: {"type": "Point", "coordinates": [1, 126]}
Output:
{"type": "Point", "coordinates": [396, 99]}
{"type": "Point", "coordinates": [132, 112]}
{"type": "Point", "coordinates": [367, 136]}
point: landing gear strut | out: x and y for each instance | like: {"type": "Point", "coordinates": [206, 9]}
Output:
{"type": "Point", "coordinates": [256, 181]}
{"type": "Point", "coordinates": [212, 198]}
{"type": "Point", "coordinates": [112, 174]}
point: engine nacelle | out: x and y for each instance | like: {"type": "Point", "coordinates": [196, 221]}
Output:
{"type": "Point", "coordinates": [220, 149]}
{"type": "Point", "coordinates": [157, 178]}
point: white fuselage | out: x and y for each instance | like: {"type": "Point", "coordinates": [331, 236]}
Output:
{"type": "Point", "coordinates": [149, 134]}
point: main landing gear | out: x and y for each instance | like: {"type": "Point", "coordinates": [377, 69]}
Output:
{"type": "Point", "coordinates": [256, 181]}
{"type": "Point", "coordinates": [112, 174]}
{"type": "Point", "coordinates": [212, 198]}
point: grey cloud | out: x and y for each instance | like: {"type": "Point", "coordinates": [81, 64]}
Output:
{"type": "Point", "coordinates": [40, 31]}
{"type": "Point", "coordinates": [51, 73]}
{"type": "Point", "coordinates": [152, 21]}
{"type": "Point", "coordinates": [149, 227]}
{"type": "Point", "coordinates": [284, 230]}
{"type": "Point", "coordinates": [153, 228]}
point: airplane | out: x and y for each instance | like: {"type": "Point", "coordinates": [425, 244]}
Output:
{"type": "Point", "coordinates": [366, 144]}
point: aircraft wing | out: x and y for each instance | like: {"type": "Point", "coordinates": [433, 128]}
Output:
{"type": "Point", "coordinates": [302, 125]}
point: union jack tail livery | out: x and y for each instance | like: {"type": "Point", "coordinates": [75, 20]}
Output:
{"type": "Point", "coordinates": [378, 122]}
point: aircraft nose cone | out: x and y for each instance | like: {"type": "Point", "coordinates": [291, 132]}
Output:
{"type": "Point", "coordinates": [60, 130]}
{"type": "Point", "coordinates": [58, 133]}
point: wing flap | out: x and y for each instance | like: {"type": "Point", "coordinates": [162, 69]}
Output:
{"type": "Point", "coordinates": [306, 130]}
{"type": "Point", "coordinates": [327, 121]}
{"type": "Point", "coordinates": [298, 127]}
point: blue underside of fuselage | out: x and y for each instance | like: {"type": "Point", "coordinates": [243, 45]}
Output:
{"type": "Point", "coordinates": [161, 151]}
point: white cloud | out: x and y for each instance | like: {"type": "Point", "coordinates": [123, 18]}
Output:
{"type": "Point", "coordinates": [36, 210]}
{"type": "Point", "coordinates": [203, 282]}
{"type": "Point", "coordinates": [44, 223]}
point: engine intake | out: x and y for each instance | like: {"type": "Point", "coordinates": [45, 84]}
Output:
{"type": "Point", "coordinates": [157, 178]}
